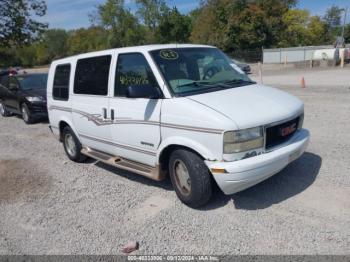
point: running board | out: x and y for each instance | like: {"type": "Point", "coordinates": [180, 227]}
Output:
{"type": "Point", "coordinates": [154, 173]}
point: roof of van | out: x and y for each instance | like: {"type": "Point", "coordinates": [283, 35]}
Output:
{"type": "Point", "coordinates": [142, 48]}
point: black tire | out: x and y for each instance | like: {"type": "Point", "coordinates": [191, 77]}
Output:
{"type": "Point", "coordinates": [75, 155]}
{"type": "Point", "coordinates": [3, 111]}
{"type": "Point", "coordinates": [26, 115]}
{"type": "Point", "coordinates": [200, 178]}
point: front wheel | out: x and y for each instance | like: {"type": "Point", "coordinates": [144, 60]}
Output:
{"type": "Point", "coordinates": [72, 146]}
{"type": "Point", "coordinates": [26, 115]}
{"type": "Point", "coordinates": [3, 111]}
{"type": "Point", "coordinates": [190, 177]}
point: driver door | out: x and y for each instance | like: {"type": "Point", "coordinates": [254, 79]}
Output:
{"type": "Point", "coordinates": [4, 89]}
{"type": "Point", "coordinates": [12, 97]}
{"type": "Point", "coordinates": [136, 125]}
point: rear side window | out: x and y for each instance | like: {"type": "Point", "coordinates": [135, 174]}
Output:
{"type": "Point", "coordinates": [91, 76]}
{"type": "Point", "coordinates": [133, 69]}
{"type": "Point", "coordinates": [60, 90]}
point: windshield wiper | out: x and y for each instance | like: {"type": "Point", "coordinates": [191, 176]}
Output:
{"type": "Point", "coordinates": [238, 81]}
{"type": "Point", "coordinates": [195, 83]}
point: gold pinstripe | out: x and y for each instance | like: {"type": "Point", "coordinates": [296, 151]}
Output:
{"type": "Point", "coordinates": [97, 120]}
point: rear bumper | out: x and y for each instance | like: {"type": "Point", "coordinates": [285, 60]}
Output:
{"type": "Point", "coordinates": [248, 172]}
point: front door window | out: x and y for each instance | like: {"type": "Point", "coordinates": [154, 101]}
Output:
{"type": "Point", "coordinates": [133, 69]}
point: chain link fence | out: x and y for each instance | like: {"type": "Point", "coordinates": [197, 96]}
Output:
{"type": "Point", "coordinates": [296, 55]}
{"type": "Point", "coordinates": [248, 56]}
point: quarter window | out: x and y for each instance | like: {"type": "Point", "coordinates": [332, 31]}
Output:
{"type": "Point", "coordinates": [133, 69]}
{"type": "Point", "coordinates": [91, 76]}
{"type": "Point", "coordinates": [60, 90]}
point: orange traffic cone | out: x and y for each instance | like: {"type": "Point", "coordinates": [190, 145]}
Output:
{"type": "Point", "coordinates": [302, 82]}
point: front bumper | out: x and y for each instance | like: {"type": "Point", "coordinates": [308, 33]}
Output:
{"type": "Point", "coordinates": [245, 173]}
{"type": "Point", "coordinates": [38, 109]}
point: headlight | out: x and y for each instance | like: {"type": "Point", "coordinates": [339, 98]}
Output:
{"type": "Point", "coordinates": [34, 99]}
{"type": "Point", "coordinates": [243, 140]}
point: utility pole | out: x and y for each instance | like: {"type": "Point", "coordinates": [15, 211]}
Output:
{"type": "Point", "coordinates": [342, 32]}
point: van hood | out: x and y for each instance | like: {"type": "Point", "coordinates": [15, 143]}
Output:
{"type": "Point", "coordinates": [253, 105]}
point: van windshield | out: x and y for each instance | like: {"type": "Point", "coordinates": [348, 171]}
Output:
{"type": "Point", "coordinates": [190, 71]}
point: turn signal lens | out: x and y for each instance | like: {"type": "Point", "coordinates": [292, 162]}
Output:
{"type": "Point", "coordinates": [218, 170]}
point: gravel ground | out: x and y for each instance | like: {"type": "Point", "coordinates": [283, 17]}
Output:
{"type": "Point", "coordinates": [49, 205]}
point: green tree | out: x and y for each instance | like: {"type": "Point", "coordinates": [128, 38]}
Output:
{"type": "Point", "coordinates": [174, 27]}
{"type": "Point", "coordinates": [87, 40]}
{"type": "Point", "coordinates": [194, 14]}
{"type": "Point", "coordinates": [55, 42]}
{"type": "Point", "coordinates": [333, 16]}
{"type": "Point", "coordinates": [51, 45]}
{"type": "Point", "coordinates": [41, 55]}
{"type": "Point", "coordinates": [8, 57]}
{"type": "Point", "coordinates": [241, 24]}
{"type": "Point", "coordinates": [210, 24]}
{"type": "Point", "coordinates": [296, 32]}
{"type": "Point", "coordinates": [122, 26]}
{"type": "Point", "coordinates": [347, 33]}
{"type": "Point", "coordinates": [27, 55]}
{"type": "Point", "coordinates": [303, 29]}
{"type": "Point", "coordinates": [17, 21]}
{"type": "Point", "coordinates": [249, 30]}
{"type": "Point", "coordinates": [333, 19]}
{"type": "Point", "coordinates": [316, 31]}
{"type": "Point", "coordinates": [151, 12]}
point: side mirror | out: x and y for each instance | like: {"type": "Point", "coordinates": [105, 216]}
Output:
{"type": "Point", "coordinates": [146, 91]}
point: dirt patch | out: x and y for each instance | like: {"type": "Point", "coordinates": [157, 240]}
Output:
{"type": "Point", "coordinates": [20, 178]}
{"type": "Point", "coordinates": [43, 135]}
{"type": "Point", "coordinates": [149, 209]}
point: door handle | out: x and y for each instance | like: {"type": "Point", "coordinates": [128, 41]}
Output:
{"type": "Point", "coordinates": [112, 114]}
{"type": "Point", "coordinates": [104, 110]}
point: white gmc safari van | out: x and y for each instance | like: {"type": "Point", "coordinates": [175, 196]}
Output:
{"type": "Point", "coordinates": [180, 110]}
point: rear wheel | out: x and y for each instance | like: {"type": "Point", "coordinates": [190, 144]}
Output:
{"type": "Point", "coordinates": [190, 177]}
{"type": "Point", "coordinates": [72, 146]}
{"type": "Point", "coordinates": [26, 115]}
{"type": "Point", "coordinates": [3, 111]}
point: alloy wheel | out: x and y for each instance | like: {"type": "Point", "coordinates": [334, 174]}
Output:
{"type": "Point", "coordinates": [2, 109]}
{"type": "Point", "coordinates": [25, 114]}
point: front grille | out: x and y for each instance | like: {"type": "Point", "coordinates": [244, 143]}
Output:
{"type": "Point", "coordinates": [39, 108]}
{"type": "Point", "coordinates": [275, 136]}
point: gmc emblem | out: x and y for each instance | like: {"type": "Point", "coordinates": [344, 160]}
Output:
{"type": "Point", "coordinates": [288, 130]}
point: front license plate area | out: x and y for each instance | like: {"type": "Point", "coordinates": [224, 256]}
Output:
{"type": "Point", "coordinates": [294, 156]}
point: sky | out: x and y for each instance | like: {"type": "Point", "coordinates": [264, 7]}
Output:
{"type": "Point", "coordinates": [72, 14]}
